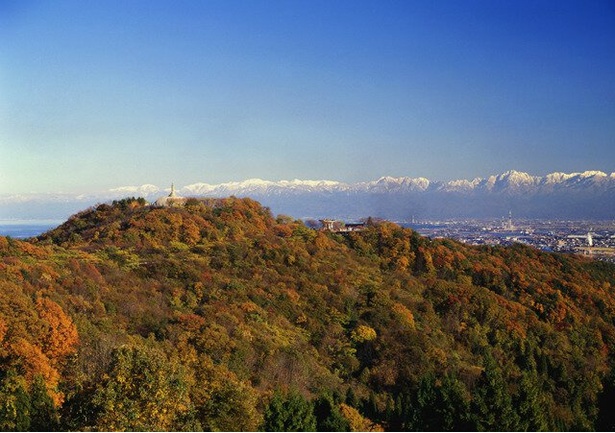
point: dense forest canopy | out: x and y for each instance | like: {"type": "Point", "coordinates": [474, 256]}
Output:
{"type": "Point", "coordinates": [218, 316]}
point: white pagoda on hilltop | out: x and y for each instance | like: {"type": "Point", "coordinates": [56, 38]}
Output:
{"type": "Point", "coordinates": [172, 200]}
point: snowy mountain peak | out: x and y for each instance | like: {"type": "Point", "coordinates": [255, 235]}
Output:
{"type": "Point", "coordinates": [592, 173]}
{"type": "Point", "coordinates": [197, 188]}
{"type": "Point", "coordinates": [580, 194]}
{"type": "Point", "coordinates": [394, 183]}
{"type": "Point", "coordinates": [511, 182]}
{"type": "Point", "coordinates": [145, 189]}
{"type": "Point", "coordinates": [461, 185]}
{"type": "Point", "coordinates": [557, 177]}
{"type": "Point", "coordinates": [513, 177]}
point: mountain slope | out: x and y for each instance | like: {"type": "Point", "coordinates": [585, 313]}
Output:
{"type": "Point", "coordinates": [223, 307]}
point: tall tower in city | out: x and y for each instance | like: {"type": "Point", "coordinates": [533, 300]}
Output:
{"type": "Point", "coordinates": [509, 225]}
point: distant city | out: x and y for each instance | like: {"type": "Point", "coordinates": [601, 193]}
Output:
{"type": "Point", "coordinates": [591, 238]}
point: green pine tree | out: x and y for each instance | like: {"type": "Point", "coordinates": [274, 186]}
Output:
{"type": "Point", "coordinates": [531, 405]}
{"type": "Point", "coordinates": [290, 412]}
{"type": "Point", "coordinates": [328, 416]}
{"type": "Point", "coordinates": [438, 405]}
{"type": "Point", "coordinates": [492, 407]}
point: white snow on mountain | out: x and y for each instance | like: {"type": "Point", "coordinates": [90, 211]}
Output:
{"type": "Point", "coordinates": [260, 186]}
{"type": "Point", "coordinates": [517, 178]}
{"type": "Point", "coordinates": [555, 178]}
{"type": "Point", "coordinates": [388, 183]}
{"type": "Point", "coordinates": [146, 189]}
{"type": "Point", "coordinates": [511, 181]}
{"type": "Point", "coordinates": [587, 174]}
{"type": "Point", "coordinates": [197, 189]}
{"type": "Point", "coordinates": [588, 194]}
{"type": "Point", "coordinates": [462, 185]}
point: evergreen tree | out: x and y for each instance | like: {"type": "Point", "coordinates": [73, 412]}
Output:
{"type": "Point", "coordinates": [403, 415]}
{"type": "Point", "coordinates": [531, 405]}
{"type": "Point", "coordinates": [438, 405]}
{"type": "Point", "coordinates": [492, 407]}
{"type": "Point", "coordinates": [291, 412]}
{"type": "Point", "coordinates": [453, 405]}
{"type": "Point", "coordinates": [328, 416]}
{"type": "Point", "coordinates": [370, 407]}
{"type": "Point", "coordinates": [351, 398]}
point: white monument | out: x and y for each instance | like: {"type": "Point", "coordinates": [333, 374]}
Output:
{"type": "Point", "coordinates": [172, 200]}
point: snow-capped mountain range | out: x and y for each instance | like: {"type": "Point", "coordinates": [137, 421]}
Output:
{"type": "Point", "coordinates": [512, 181]}
{"type": "Point", "coordinates": [590, 194]}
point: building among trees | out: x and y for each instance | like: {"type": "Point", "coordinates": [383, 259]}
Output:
{"type": "Point", "coordinates": [172, 200]}
{"type": "Point", "coordinates": [339, 226]}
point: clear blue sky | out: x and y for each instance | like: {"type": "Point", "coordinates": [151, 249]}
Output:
{"type": "Point", "coordinates": [99, 94]}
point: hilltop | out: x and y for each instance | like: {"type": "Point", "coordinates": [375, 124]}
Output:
{"type": "Point", "coordinates": [218, 315]}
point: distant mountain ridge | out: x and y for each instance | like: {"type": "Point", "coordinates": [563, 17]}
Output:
{"type": "Point", "coordinates": [589, 194]}
{"type": "Point", "coordinates": [579, 195]}
{"type": "Point", "coordinates": [511, 181]}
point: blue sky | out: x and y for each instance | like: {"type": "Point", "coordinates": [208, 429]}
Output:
{"type": "Point", "coordinates": [99, 94]}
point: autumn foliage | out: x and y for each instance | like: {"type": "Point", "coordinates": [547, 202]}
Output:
{"type": "Point", "coordinates": [219, 316]}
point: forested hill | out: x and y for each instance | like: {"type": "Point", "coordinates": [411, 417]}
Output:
{"type": "Point", "coordinates": [219, 316]}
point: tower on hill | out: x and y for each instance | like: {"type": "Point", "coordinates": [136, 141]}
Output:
{"type": "Point", "coordinates": [172, 200]}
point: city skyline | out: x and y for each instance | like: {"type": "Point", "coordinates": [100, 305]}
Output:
{"type": "Point", "coordinates": [100, 95]}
